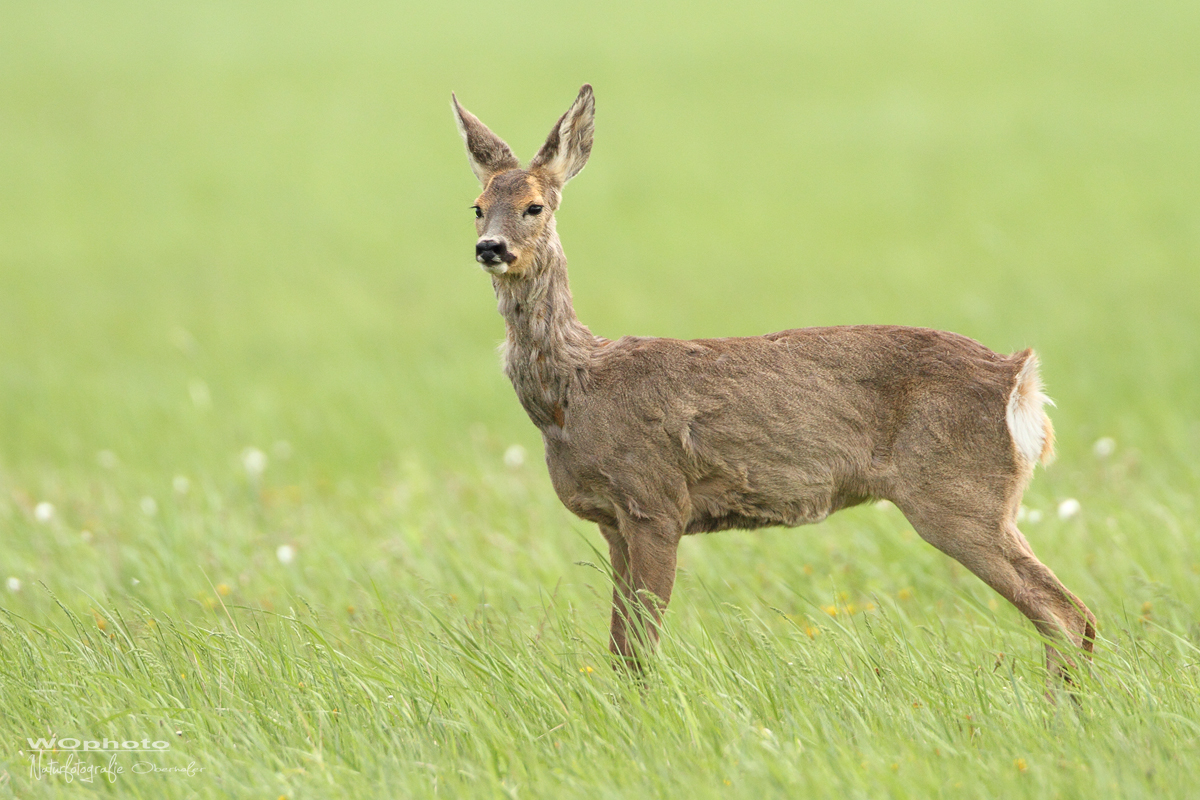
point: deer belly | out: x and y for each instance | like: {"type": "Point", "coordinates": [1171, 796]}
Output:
{"type": "Point", "coordinates": [717, 506]}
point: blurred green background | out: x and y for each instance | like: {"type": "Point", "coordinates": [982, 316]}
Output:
{"type": "Point", "coordinates": [266, 204]}
{"type": "Point", "coordinates": [229, 227]}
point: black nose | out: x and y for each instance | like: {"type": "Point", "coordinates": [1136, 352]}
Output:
{"type": "Point", "coordinates": [490, 251]}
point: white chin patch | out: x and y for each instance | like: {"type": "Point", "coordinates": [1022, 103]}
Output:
{"type": "Point", "coordinates": [496, 269]}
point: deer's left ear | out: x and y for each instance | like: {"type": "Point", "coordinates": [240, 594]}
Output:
{"type": "Point", "coordinates": [487, 152]}
{"type": "Point", "coordinates": [570, 142]}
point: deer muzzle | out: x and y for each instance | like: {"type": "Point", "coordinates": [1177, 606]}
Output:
{"type": "Point", "coordinates": [494, 255]}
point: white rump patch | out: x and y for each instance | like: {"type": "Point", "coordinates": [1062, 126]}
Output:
{"type": "Point", "coordinates": [1027, 421]}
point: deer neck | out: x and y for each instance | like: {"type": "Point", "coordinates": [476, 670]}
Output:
{"type": "Point", "coordinates": [546, 348]}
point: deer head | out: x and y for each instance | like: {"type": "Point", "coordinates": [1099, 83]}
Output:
{"type": "Point", "coordinates": [515, 214]}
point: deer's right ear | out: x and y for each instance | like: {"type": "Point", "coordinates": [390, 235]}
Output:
{"type": "Point", "coordinates": [487, 152]}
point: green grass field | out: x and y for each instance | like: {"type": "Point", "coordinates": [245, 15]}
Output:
{"type": "Point", "coordinates": [260, 489]}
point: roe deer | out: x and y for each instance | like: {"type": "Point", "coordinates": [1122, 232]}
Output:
{"type": "Point", "coordinates": [653, 439]}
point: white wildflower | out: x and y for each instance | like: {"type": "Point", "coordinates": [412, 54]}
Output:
{"type": "Point", "coordinates": [1069, 508]}
{"type": "Point", "coordinates": [14, 584]}
{"type": "Point", "coordinates": [514, 456]}
{"type": "Point", "coordinates": [1104, 447]}
{"type": "Point", "coordinates": [286, 554]}
{"type": "Point", "coordinates": [254, 461]}
{"type": "Point", "coordinates": [43, 511]}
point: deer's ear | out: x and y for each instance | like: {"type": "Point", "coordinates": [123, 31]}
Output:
{"type": "Point", "coordinates": [570, 142]}
{"type": "Point", "coordinates": [487, 152]}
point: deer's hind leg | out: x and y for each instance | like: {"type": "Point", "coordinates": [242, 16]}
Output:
{"type": "Point", "coordinates": [986, 541]}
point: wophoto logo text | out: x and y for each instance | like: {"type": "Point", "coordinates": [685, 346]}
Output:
{"type": "Point", "coordinates": [71, 745]}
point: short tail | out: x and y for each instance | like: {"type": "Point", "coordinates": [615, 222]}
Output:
{"type": "Point", "coordinates": [1030, 428]}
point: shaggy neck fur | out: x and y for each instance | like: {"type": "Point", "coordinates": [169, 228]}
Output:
{"type": "Point", "coordinates": [546, 347]}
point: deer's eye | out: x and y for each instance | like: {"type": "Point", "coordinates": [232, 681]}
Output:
{"type": "Point", "coordinates": [534, 210]}
{"type": "Point", "coordinates": [478, 212]}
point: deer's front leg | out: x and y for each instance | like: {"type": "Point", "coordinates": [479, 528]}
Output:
{"type": "Point", "coordinates": [618, 555]}
{"type": "Point", "coordinates": [643, 554]}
